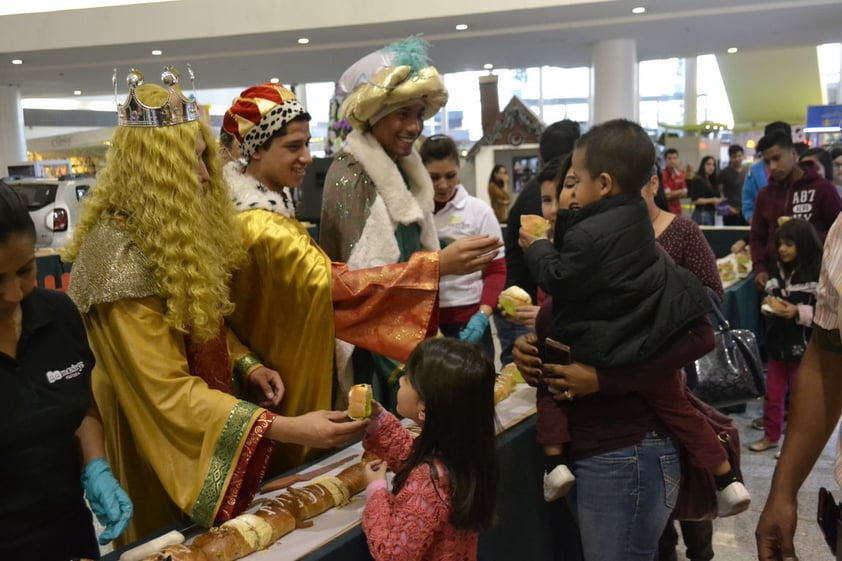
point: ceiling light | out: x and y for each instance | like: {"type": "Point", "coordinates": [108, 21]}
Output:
{"type": "Point", "coordinates": [639, 10]}
{"type": "Point", "coordinates": [488, 66]}
{"type": "Point", "coordinates": [275, 80]}
{"type": "Point", "coordinates": [732, 50]}
{"type": "Point", "coordinates": [462, 27]}
{"type": "Point", "coordinates": [303, 41]}
{"type": "Point", "coordinates": [17, 61]}
{"type": "Point", "coordinates": [156, 52]}
{"type": "Point", "coordinates": [77, 92]}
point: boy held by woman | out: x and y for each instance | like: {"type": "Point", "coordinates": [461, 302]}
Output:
{"type": "Point", "coordinates": [620, 304]}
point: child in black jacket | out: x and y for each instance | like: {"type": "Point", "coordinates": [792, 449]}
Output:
{"type": "Point", "coordinates": [618, 299]}
{"type": "Point", "coordinates": [791, 297]}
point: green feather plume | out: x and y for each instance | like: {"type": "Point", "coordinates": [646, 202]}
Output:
{"type": "Point", "coordinates": [410, 52]}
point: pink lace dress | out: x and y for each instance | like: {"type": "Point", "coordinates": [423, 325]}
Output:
{"type": "Point", "coordinates": [414, 524]}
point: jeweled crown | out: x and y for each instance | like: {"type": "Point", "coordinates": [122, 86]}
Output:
{"type": "Point", "coordinates": [175, 110]}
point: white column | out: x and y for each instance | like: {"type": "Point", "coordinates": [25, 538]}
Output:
{"type": "Point", "coordinates": [12, 139]}
{"type": "Point", "coordinates": [615, 85]}
{"type": "Point", "coordinates": [691, 94]}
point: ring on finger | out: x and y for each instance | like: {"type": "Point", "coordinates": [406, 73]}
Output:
{"type": "Point", "coordinates": [567, 395]}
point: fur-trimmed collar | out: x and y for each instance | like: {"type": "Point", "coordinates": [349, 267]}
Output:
{"type": "Point", "coordinates": [404, 206]}
{"type": "Point", "coordinates": [247, 193]}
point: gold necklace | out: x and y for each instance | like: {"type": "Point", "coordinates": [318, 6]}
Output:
{"type": "Point", "coordinates": [657, 214]}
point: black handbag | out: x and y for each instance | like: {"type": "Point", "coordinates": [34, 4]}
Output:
{"type": "Point", "coordinates": [732, 373]}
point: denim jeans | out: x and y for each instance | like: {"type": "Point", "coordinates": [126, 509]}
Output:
{"type": "Point", "coordinates": [507, 332]}
{"type": "Point", "coordinates": [622, 499]}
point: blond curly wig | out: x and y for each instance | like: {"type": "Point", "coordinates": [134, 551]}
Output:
{"type": "Point", "coordinates": [184, 227]}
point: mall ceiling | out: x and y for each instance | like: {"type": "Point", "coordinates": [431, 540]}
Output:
{"type": "Point", "coordinates": [559, 36]}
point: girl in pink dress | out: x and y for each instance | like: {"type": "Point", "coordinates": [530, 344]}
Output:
{"type": "Point", "coordinates": [443, 492]}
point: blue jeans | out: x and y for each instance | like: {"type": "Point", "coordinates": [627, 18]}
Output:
{"type": "Point", "coordinates": [622, 499]}
{"type": "Point", "coordinates": [704, 217]}
{"type": "Point", "coordinates": [507, 332]}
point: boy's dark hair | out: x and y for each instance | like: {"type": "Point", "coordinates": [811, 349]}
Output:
{"type": "Point", "coordinates": [283, 130]}
{"type": "Point", "coordinates": [456, 382]}
{"type": "Point", "coordinates": [439, 147]}
{"type": "Point", "coordinates": [808, 248]}
{"type": "Point", "coordinates": [835, 153]}
{"type": "Point", "coordinates": [623, 150]}
{"type": "Point", "coordinates": [822, 156]}
{"type": "Point", "coordinates": [777, 126]}
{"type": "Point", "coordinates": [14, 216]}
{"type": "Point", "coordinates": [733, 149]}
{"type": "Point", "coordinates": [558, 139]}
{"type": "Point", "coordinates": [779, 139]}
{"type": "Point", "coordinates": [669, 151]}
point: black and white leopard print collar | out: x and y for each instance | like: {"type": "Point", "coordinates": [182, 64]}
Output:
{"type": "Point", "coordinates": [247, 193]}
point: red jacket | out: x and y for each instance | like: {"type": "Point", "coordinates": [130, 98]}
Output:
{"type": "Point", "coordinates": [812, 198]}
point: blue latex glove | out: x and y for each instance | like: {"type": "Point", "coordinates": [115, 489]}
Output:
{"type": "Point", "coordinates": [109, 502]}
{"type": "Point", "coordinates": [475, 328]}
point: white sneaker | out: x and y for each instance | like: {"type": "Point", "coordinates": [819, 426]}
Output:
{"type": "Point", "coordinates": [732, 500]}
{"type": "Point", "coordinates": [557, 483]}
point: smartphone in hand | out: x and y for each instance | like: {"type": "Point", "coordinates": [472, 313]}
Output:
{"type": "Point", "coordinates": [556, 353]}
{"type": "Point", "coordinates": [828, 518]}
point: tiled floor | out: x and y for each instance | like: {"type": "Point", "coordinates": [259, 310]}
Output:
{"type": "Point", "coordinates": [733, 538]}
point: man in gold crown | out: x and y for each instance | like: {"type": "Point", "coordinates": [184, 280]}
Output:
{"type": "Point", "coordinates": [153, 256]}
{"type": "Point", "coordinates": [290, 299]}
{"type": "Point", "coordinates": [378, 197]}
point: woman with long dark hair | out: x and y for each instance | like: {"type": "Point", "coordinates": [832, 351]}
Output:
{"type": "Point", "coordinates": [444, 486]}
{"type": "Point", "coordinates": [498, 192]}
{"type": "Point", "coordinates": [705, 193]}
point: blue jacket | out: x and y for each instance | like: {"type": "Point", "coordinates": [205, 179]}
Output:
{"type": "Point", "coordinates": [756, 179]}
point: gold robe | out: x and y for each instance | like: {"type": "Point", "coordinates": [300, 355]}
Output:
{"type": "Point", "coordinates": [291, 301]}
{"type": "Point", "coordinates": [176, 445]}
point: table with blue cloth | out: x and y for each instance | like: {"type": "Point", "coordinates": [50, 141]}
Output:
{"type": "Point", "coordinates": [721, 238]}
{"type": "Point", "coordinates": [741, 307]}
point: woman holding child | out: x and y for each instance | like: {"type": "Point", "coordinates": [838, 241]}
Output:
{"type": "Point", "coordinates": [627, 300]}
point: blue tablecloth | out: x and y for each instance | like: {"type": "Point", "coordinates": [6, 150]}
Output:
{"type": "Point", "coordinates": [741, 307]}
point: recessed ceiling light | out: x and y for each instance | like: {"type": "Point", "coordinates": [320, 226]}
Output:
{"type": "Point", "coordinates": [17, 61]}
{"type": "Point", "coordinates": [77, 92]}
{"type": "Point", "coordinates": [156, 52]}
{"type": "Point", "coordinates": [303, 41]}
{"type": "Point", "coordinates": [488, 66]}
{"type": "Point", "coordinates": [462, 27]}
{"type": "Point", "coordinates": [275, 80]}
{"type": "Point", "coordinates": [732, 50]}
{"type": "Point", "coordinates": [639, 10]}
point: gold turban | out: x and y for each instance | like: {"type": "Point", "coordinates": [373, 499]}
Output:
{"type": "Point", "coordinates": [392, 88]}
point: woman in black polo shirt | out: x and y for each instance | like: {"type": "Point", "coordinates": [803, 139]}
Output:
{"type": "Point", "coordinates": [50, 430]}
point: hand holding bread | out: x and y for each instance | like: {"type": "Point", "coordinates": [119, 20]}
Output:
{"type": "Point", "coordinates": [532, 228]}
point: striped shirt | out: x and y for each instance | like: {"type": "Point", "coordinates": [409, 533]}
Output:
{"type": "Point", "coordinates": [830, 279]}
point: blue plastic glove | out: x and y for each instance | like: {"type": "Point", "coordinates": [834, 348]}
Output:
{"type": "Point", "coordinates": [110, 503]}
{"type": "Point", "coordinates": [475, 328]}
